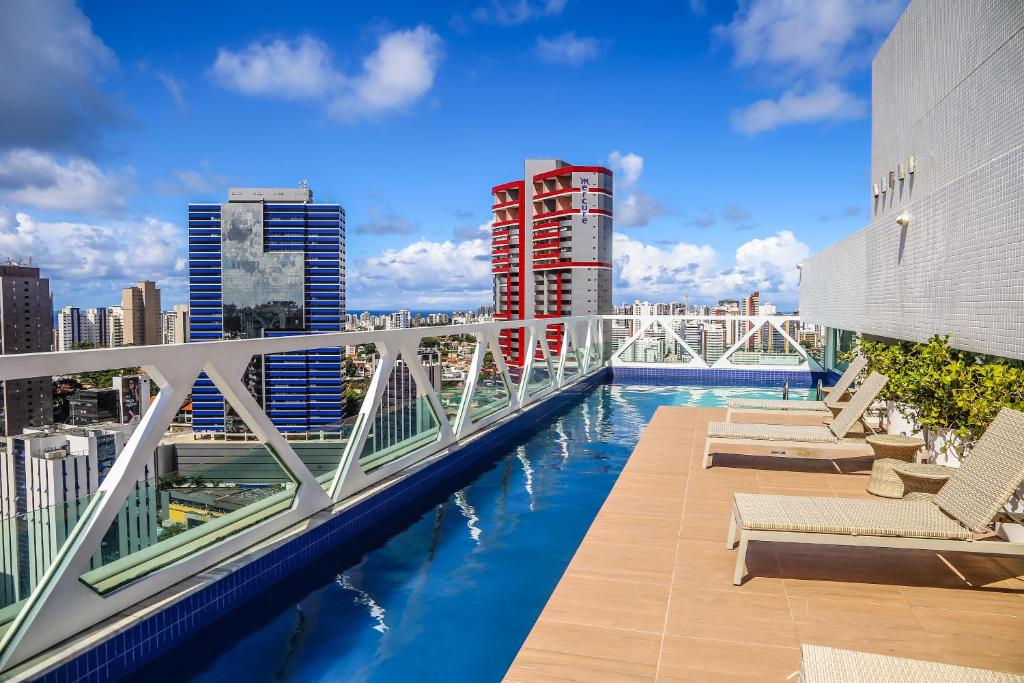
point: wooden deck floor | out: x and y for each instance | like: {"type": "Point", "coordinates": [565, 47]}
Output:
{"type": "Point", "coordinates": [648, 594]}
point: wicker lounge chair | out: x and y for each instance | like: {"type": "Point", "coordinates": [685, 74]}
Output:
{"type": "Point", "coordinates": [956, 519]}
{"type": "Point", "coordinates": [792, 407]}
{"type": "Point", "coordinates": [811, 441]}
{"type": "Point", "coordinates": [820, 664]}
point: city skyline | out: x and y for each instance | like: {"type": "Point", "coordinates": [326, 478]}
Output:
{"type": "Point", "coordinates": [90, 190]}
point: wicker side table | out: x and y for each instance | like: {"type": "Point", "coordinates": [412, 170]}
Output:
{"type": "Point", "coordinates": [884, 481]}
{"type": "Point", "coordinates": [921, 481]}
{"type": "Point", "coordinates": [895, 446]}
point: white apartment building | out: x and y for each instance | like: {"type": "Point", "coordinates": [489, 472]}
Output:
{"type": "Point", "coordinates": [175, 325]}
{"type": "Point", "coordinates": [399, 320]}
{"type": "Point", "coordinates": [115, 326]}
{"type": "Point", "coordinates": [75, 327]}
{"type": "Point", "coordinates": [47, 478]}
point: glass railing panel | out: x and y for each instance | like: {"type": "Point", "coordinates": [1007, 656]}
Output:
{"type": "Point", "coordinates": [766, 346]}
{"type": "Point", "coordinates": [448, 357]}
{"type": "Point", "coordinates": [404, 421]}
{"type": "Point", "coordinates": [492, 392]}
{"type": "Point", "coordinates": [204, 484]}
{"type": "Point", "coordinates": [313, 398]}
{"type": "Point", "coordinates": [513, 347]}
{"type": "Point", "coordinates": [35, 526]}
{"type": "Point", "coordinates": [540, 372]}
{"type": "Point", "coordinates": [654, 345]}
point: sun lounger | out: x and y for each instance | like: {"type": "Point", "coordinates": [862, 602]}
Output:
{"type": "Point", "coordinates": [957, 519]}
{"type": "Point", "coordinates": [806, 440]}
{"type": "Point", "coordinates": [794, 407]}
{"type": "Point", "coordinates": [820, 664]}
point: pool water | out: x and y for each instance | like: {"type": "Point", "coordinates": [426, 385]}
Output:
{"type": "Point", "coordinates": [451, 592]}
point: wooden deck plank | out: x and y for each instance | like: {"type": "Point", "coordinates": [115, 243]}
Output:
{"type": "Point", "coordinates": [648, 595]}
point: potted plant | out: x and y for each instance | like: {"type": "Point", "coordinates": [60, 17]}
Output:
{"type": "Point", "coordinates": [949, 395]}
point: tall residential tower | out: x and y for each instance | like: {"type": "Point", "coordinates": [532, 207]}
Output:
{"type": "Point", "coordinates": [551, 247]}
{"type": "Point", "coordinates": [270, 262]}
{"type": "Point", "coordinates": [26, 326]}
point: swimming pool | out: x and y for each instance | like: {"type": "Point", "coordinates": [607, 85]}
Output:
{"type": "Point", "coordinates": [449, 592]}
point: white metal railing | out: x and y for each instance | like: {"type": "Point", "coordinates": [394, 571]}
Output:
{"type": "Point", "coordinates": [66, 600]}
{"type": "Point", "coordinates": [716, 342]}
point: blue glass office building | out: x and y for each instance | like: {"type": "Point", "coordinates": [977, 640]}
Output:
{"type": "Point", "coordinates": [270, 262]}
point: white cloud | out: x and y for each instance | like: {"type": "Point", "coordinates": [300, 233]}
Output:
{"type": "Point", "coordinates": [772, 261]}
{"type": "Point", "coordinates": [736, 214]}
{"type": "Point", "coordinates": [828, 102]}
{"type": "Point", "coordinates": [637, 210]}
{"type": "Point", "coordinates": [38, 180]}
{"type": "Point", "coordinates": [421, 274]}
{"type": "Point", "coordinates": [567, 48]}
{"type": "Point", "coordinates": [383, 220]}
{"type": "Point", "coordinates": [515, 12]}
{"type": "Point", "coordinates": [193, 183]}
{"type": "Point", "coordinates": [297, 69]}
{"type": "Point", "coordinates": [817, 43]}
{"type": "Point", "coordinates": [396, 74]}
{"type": "Point", "coordinates": [175, 88]}
{"type": "Point", "coordinates": [399, 72]}
{"type": "Point", "coordinates": [87, 261]}
{"type": "Point", "coordinates": [825, 37]}
{"type": "Point", "coordinates": [649, 271]}
{"type": "Point", "coordinates": [627, 167]}
{"type": "Point", "coordinates": [53, 64]}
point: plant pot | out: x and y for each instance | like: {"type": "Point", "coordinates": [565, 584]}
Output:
{"type": "Point", "coordinates": [944, 448]}
{"type": "Point", "coordinates": [896, 422]}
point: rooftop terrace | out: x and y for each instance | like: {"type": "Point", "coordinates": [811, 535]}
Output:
{"type": "Point", "coordinates": [649, 594]}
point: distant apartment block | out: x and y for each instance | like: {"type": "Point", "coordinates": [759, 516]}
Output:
{"type": "Point", "coordinates": [270, 262]}
{"type": "Point", "coordinates": [551, 247]}
{"type": "Point", "coordinates": [140, 309]}
{"type": "Point", "coordinates": [175, 325]}
{"type": "Point", "coordinates": [77, 328]}
{"type": "Point", "coordinates": [399, 320]}
{"type": "Point", "coordinates": [26, 326]}
{"type": "Point", "coordinates": [115, 326]}
{"type": "Point", "coordinates": [47, 479]}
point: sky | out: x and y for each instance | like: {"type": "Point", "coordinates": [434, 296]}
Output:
{"type": "Point", "coordinates": [739, 133]}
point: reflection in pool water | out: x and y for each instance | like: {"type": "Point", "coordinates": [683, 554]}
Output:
{"type": "Point", "coordinates": [451, 592]}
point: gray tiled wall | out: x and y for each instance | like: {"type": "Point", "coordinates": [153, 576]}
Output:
{"type": "Point", "coordinates": [949, 90]}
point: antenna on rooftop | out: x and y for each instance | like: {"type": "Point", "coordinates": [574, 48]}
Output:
{"type": "Point", "coordinates": [304, 183]}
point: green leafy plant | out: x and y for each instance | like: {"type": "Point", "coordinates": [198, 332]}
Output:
{"type": "Point", "coordinates": [937, 387]}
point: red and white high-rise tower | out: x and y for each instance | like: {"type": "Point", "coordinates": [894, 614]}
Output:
{"type": "Point", "coordinates": [551, 248]}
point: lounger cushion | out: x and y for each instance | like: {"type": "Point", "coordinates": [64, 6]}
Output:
{"type": "Point", "coordinates": [776, 404]}
{"type": "Point", "coordinates": [763, 432]}
{"type": "Point", "coordinates": [820, 664]}
{"type": "Point", "coordinates": [850, 516]}
{"type": "Point", "coordinates": [989, 475]}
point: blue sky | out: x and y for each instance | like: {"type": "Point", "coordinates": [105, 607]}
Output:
{"type": "Point", "coordinates": [739, 133]}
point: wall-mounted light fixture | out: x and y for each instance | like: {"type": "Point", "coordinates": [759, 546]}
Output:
{"type": "Point", "coordinates": [910, 165]}
{"type": "Point", "coordinates": [892, 178]}
{"type": "Point", "coordinates": [901, 172]}
{"type": "Point", "coordinates": [903, 220]}
{"type": "Point", "coordinates": [874, 189]}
